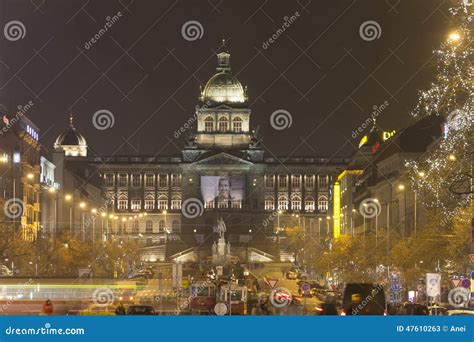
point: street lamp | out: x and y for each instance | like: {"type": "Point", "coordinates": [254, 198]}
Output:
{"type": "Point", "coordinates": [68, 198]}
{"type": "Point", "coordinates": [454, 37]}
{"type": "Point", "coordinates": [82, 205]}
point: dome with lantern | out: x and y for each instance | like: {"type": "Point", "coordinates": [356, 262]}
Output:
{"type": "Point", "coordinates": [223, 87]}
{"type": "Point", "coordinates": [71, 141]}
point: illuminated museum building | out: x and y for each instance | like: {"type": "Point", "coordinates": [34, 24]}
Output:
{"type": "Point", "coordinates": [223, 166]}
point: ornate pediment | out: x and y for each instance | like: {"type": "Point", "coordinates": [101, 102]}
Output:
{"type": "Point", "coordinates": [222, 158]}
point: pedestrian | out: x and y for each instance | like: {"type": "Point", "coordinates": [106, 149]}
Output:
{"type": "Point", "coordinates": [48, 308]}
{"type": "Point", "coordinates": [120, 310]}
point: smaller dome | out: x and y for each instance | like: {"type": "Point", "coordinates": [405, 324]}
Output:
{"type": "Point", "coordinates": [71, 141]}
{"type": "Point", "coordinates": [375, 136]}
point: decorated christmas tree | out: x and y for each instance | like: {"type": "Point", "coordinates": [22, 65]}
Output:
{"type": "Point", "coordinates": [444, 175]}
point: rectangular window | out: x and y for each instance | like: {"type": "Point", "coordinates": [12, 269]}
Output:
{"type": "Point", "coordinates": [175, 180]}
{"type": "Point", "coordinates": [109, 179]}
{"type": "Point", "coordinates": [136, 180]}
{"type": "Point", "coordinates": [269, 204]}
{"type": "Point", "coordinates": [175, 204]}
{"type": "Point", "coordinates": [283, 203]}
{"type": "Point", "coordinates": [136, 204]}
{"type": "Point", "coordinates": [323, 203]}
{"type": "Point", "coordinates": [223, 205]}
{"type": "Point", "coordinates": [237, 126]}
{"type": "Point", "coordinates": [209, 126]}
{"type": "Point", "coordinates": [309, 206]}
{"type": "Point", "coordinates": [149, 180]}
{"type": "Point", "coordinates": [123, 179]}
{"type": "Point", "coordinates": [309, 181]}
{"type": "Point", "coordinates": [296, 181]}
{"type": "Point", "coordinates": [163, 180]}
{"type": "Point", "coordinates": [162, 203]}
{"type": "Point", "coordinates": [282, 181]}
{"type": "Point", "coordinates": [149, 204]}
{"type": "Point", "coordinates": [269, 181]}
{"type": "Point", "coordinates": [122, 204]}
{"type": "Point", "coordinates": [322, 181]}
{"type": "Point", "coordinates": [236, 205]}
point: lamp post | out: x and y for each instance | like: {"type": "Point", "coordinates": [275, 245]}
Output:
{"type": "Point", "coordinates": [327, 224]}
{"type": "Point", "coordinates": [278, 219]}
{"type": "Point", "coordinates": [82, 205]}
{"type": "Point", "coordinates": [69, 198]}
{"type": "Point", "coordinates": [54, 224]}
{"type": "Point", "coordinates": [94, 212]}
{"type": "Point", "coordinates": [376, 225]}
{"type": "Point", "coordinates": [102, 215]}
{"type": "Point", "coordinates": [352, 222]}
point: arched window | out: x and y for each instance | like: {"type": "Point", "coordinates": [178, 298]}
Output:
{"type": "Point", "coordinates": [283, 202]}
{"type": "Point", "coordinates": [237, 125]}
{"type": "Point", "coordinates": [223, 124]}
{"type": "Point", "coordinates": [162, 202]}
{"type": "Point", "coordinates": [149, 226]}
{"type": "Point", "coordinates": [122, 203]}
{"type": "Point", "coordinates": [149, 202]}
{"type": "Point", "coordinates": [175, 226]}
{"type": "Point", "coordinates": [309, 204]}
{"type": "Point", "coordinates": [176, 202]}
{"type": "Point", "coordinates": [161, 225]}
{"type": "Point", "coordinates": [208, 124]}
{"type": "Point", "coordinates": [269, 203]}
{"type": "Point", "coordinates": [323, 203]}
{"type": "Point", "coordinates": [296, 202]}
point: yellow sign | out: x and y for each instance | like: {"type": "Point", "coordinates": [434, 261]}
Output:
{"type": "Point", "coordinates": [337, 210]}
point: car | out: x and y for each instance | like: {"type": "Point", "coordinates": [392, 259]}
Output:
{"type": "Point", "coordinates": [363, 299]}
{"type": "Point", "coordinates": [98, 310]}
{"type": "Point", "coordinates": [326, 308]}
{"type": "Point", "coordinates": [143, 310]}
{"type": "Point", "coordinates": [291, 275]}
{"type": "Point", "coordinates": [413, 309]}
{"type": "Point", "coordinates": [302, 275]}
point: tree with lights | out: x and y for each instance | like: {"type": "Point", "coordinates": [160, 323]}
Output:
{"type": "Point", "coordinates": [444, 176]}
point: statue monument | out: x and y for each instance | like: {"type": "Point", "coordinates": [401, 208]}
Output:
{"type": "Point", "coordinates": [221, 249]}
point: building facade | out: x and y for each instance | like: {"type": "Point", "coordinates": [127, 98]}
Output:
{"type": "Point", "coordinates": [222, 173]}
{"type": "Point", "coordinates": [20, 173]}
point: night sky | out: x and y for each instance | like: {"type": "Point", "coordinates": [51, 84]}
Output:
{"type": "Point", "coordinates": [147, 75]}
